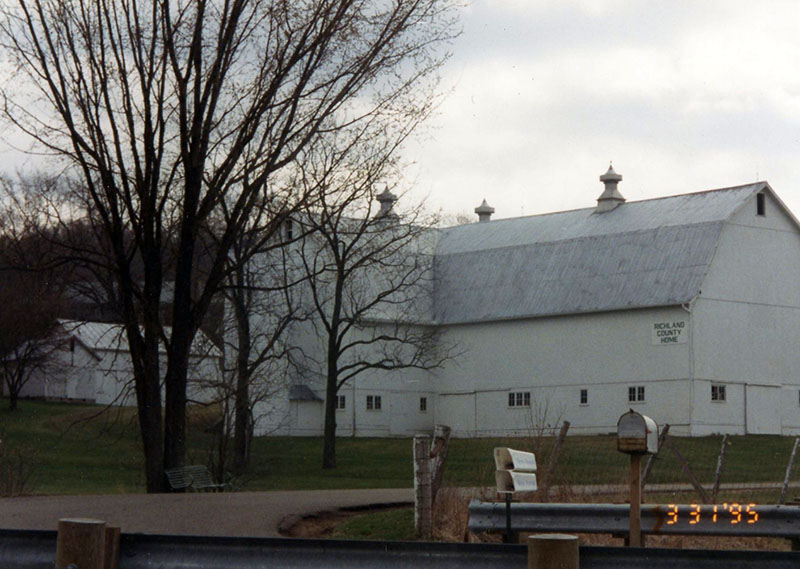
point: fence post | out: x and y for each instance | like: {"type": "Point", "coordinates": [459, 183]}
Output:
{"type": "Point", "coordinates": [688, 471]}
{"type": "Point", "coordinates": [635, 532]}
{"type": "Point", "coordinates": [718, 473]}
{"type": "Point", "coordinates": [423, 496]}
{"type": "Point", "coordinates": [553, 551]}
{"type": "Point", "coordinates": [81, 543]}
{"type": "Point", "coordinates": [788, 472]}
{"type": "Point", "coordinates": [441, 440]}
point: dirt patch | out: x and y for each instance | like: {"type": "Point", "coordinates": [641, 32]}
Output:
{"type": "Point", "coordinates": [323, 524]}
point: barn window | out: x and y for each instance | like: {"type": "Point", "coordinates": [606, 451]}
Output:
{"type": "Point", "coordinates": [423, 404]}
{"type": "Point", "coordinates": [718, 393]}
{"type": "Point", "coordinates": [761, 204]}
{"type": "Point", "coordinates": [584, 396]}
{"type": "Point", "coordinates": [373, 402]}
{"type": "Point", "coordinates": [635, 393]}
{"type": "Point", "coordinates": [519, 399]}
{"type": "Point", "coordinates": [341, 402]}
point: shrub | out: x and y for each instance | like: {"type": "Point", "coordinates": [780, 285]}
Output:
{"type": "Point", "coordinates": [16, 466]}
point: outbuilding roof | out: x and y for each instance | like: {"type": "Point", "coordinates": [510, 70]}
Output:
{"type": "Point", "coordinates": [110, 337]}
{"type": "Point", "coordinates": [642, 254]}
{"type": "Point", "coordinates": [302, 393]}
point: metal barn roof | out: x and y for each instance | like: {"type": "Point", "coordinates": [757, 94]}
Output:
{"type": "Point", "coordinates": [104, 336]}
{"type": "Point", "coordinates": [641, 254]}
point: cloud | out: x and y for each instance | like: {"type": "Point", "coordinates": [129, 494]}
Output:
{"type": "Point", "coordinates": [681, 95]}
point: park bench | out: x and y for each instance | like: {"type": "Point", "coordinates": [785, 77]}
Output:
{"type": "Point", "coordinates": [196, 478]}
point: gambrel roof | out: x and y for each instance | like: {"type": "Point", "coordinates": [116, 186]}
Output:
{"type": "Point", "coordinates": [642, 254]}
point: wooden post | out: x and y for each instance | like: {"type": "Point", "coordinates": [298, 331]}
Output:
{"type": "Point", "coordinates": [81, 543]}
{"type": "Point", "coordinates": [423, 503]}
{"type": "Point", "coordinates": [688, 471]}
{"type": "Point", "coordinates": [112, 548]}
{"type": "Point", "coordinates": [553, 551]}
{"type": "Point", "coordinates": [662, 437]}
{"type": "Point", "coordinates": [441, 441]}
{"type": "Point", "coordinates": [718, 473]}
{"type": "Point", "coordinates": [788, 471]}
{"type": "Point", "coordinates": [635, 535]}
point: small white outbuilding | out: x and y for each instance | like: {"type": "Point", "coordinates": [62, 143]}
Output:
{"type": "Point", "coordinates": [92, 363]}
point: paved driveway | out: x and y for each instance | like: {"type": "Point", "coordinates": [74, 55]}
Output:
{"type": "Point", "coordinates": [251, 514]}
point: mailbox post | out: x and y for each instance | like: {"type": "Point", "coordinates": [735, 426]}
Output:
{"type": "Point", "coordinates": [515, 472]}
{"type": "Point", "coordinates": [636, 435]}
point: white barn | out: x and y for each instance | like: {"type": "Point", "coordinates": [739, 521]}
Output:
{"type": "Point", "coordinates": [92, 363]}
{"type": "Point", "coordinates": [685, 308]}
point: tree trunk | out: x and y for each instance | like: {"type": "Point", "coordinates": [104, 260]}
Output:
{"type": "Point", "coordinates": [15, 379]}
{"type": "Point", "coordinates": [175, 381]}
{"type": "Point", "coordinates": [332, 385]}
{"type": "Point", "coordinates": [12, 400]}
{"type": "Point", "coordinates": [144, 355]}
{"type": "Point", "coordinates": [152, 443]}
{"type": "Point", "coordinates": [9, 379]}
{"type": "Point", "coordinates": [242, 419]}
{"type": "Point", "coordinates": [175, 406]}
{"type": "Point", "coordinates": [183, 325]}
{"type": "Point", "coordinates": [329, 442]}
{"type": "Point", "coordinates": [143, 329]}
{"type": "Point", "coordinates": [148, 399]}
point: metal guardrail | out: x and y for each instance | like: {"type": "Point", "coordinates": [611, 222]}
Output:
{"type": "Point", "coordinates": [677, 519]}
{"type": "Point", "coordinates": [27, 549]}
{"type": "Point", "coordinates": [36, 550]}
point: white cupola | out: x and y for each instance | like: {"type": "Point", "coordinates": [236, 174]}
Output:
{"type": "Point", "coordinates": [610, 198]}
{"type": "Point", "coordinates": [484, 212]}
{"type": "Point", "coordinates": [387, 200]}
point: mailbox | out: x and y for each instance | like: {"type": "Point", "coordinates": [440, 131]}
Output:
{"type": "Point", "coordinates": [637, 434]}
{"type": "Point", "coordinates": [515, 470]}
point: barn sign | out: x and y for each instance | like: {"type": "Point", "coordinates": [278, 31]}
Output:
{"type": "Point", "coordinates": [668, 332]}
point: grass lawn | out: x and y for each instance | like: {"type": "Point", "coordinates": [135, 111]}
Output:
{"type": "Point", "coordinates": [397, 525]}
{"type": "Point", "coordinates": [74, 449]}
{"type": "Point", "coordinates": [83, 449]}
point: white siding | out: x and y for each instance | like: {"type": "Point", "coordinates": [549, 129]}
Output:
{"type": "Point", "coordinates": [747, 321]}
{"type": "Point", "coordinates": [554, 358]}
{"type": "Point", "coordinates": [69, 374]}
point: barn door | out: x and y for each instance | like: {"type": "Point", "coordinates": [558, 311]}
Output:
{"type": "Point", "coordinates": [763, 404]}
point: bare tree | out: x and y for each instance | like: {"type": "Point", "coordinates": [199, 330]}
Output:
{"type": "Point", "coordinates": [28, 328]}
{"type": "Point", "coordinates": [170, 110]}
{"type": "Point", "coordinates": [368, 276]}
{"type": "Point", "coordinates": [261, 307]}
{"type": "Point", "coordinates": [32, 286]}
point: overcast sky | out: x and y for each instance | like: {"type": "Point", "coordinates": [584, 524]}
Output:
{"type": "Point", "coordinates": [682, 96]}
